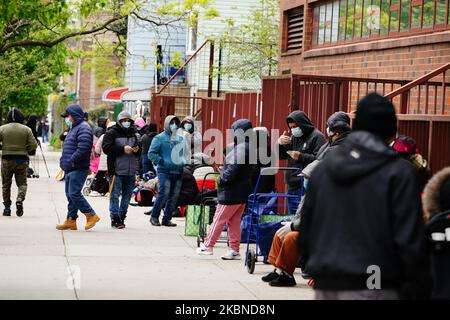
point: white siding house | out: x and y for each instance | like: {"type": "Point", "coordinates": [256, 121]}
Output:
{"type": "Point", "coordinates": [238, 10]}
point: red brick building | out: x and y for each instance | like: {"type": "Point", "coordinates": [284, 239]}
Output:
{"type": "Point", "coordinates": [393, 39]}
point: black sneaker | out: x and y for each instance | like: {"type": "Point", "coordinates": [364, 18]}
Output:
{"type": "Point", "coordinates": [155, 222]}
{"type": "Point", "coordinates": [7, 212]}
{"type": "Point", "coordinates": [283, 280]}
{"type": "Point", "coordinates": [117, 224]}
{"type": "Point", "coordinates": [19, 207]}
{"type": "Point", "coordinates": [148, 213]}
{"type": "Point", "coordinates": [270, 276]}
{"type": "Point", "coordinates": [168, 224]}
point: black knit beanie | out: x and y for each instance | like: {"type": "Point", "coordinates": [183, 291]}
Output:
{"type": "Point", "coordinates": [376, 114]}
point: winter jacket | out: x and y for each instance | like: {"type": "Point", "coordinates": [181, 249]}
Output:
{"type": "Point", "coordinates": [234, 181]}
{"type": "Point", "coordinates": [308, 145]}
{"type": "Point", "coordinates": [146, 142]}
{"type": "Point", "coordinates": [103, 165]}
{"type": "Point", "coordinates": [114, 141]}
{"type": "Point", "coordinates": [324, 151]}
{"type": "Point", "coordinates": [362, 209]}
{"type": "Point", "coordinates": [167, 150]}
{"type": "Point", "coordinates": [436, 205]}
{"type": "Point", "coordinates": [17, 139]}
{"type": "Point", "coordinates": [189, 189]}
{"type": "Point", "coordinates": [77, 146]}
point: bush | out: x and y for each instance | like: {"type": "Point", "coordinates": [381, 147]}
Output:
{"type": "Point", "coordinates": [55, 143]}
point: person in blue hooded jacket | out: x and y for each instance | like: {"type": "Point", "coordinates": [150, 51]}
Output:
{"type": "Point", "coordinates": [74, 162]}
{"type": "Point", "coordinates": [168, 154]}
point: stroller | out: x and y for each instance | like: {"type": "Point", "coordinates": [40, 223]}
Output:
{"type": "Point", "coordinates": [438, 229]}
{"type": "Point", "coordinates": [98, 183]}
{"type": "Point", "coordinates": [262, 225]}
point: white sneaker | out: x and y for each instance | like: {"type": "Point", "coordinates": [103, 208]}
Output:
{"type": "Point", "coordinates": [204, 251]}
{"type": "Point", "coordinates": [231, 255]}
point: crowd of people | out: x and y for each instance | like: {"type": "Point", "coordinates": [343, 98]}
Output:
{"type": "Point", "coordinates": [362, 209]}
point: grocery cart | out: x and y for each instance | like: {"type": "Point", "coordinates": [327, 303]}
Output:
{"type": "Point", "coordinates": [255, 210]}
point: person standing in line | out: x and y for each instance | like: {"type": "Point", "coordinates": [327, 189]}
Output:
{"type": "Point", "coordinates": [233, 191]}
{"type": "Point", "coordinates": [17, 143]}
{"type": "Point", "coordinates": [361, 231]}
{"type": "Point", "coordinates": [300, 148]}
{"type": "Point", "coordinates": [121, 145]}
{"type": "Point", "coordinates": [168, 154]}
{"type": "Point", "coordinates": [74, 162]}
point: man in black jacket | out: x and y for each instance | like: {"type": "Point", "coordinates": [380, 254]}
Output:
{"type": "Point", "coordinates": [120, 144]}
{"type": "Point", "coordinates": [300, 149]}
{"type": "Point", "coordinates": [361, 231]}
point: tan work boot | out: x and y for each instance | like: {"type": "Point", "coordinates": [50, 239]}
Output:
{"type": "Point", "coordinates": [69, 224]}
{"type": "Point", "coordinates": [91, 220]}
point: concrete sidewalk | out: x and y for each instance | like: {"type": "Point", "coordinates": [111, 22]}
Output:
{"type": "Point", "coordinates": [139, 262]}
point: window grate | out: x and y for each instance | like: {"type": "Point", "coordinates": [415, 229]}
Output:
{"type": "Point", "coordinates": [295, 24]}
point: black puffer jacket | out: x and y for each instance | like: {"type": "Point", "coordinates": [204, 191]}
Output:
{"type": "Point", "coordinates": [308, 145]}
{"type": "Point", "coordinates": [234, 181]}
{"type": "Point", "coordinates": [114, 141]}
{"type": "Point", "coordinates": [362, 209]}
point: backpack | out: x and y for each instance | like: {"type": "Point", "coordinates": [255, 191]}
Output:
{"type": "Point", "coordinates": [144, 197]}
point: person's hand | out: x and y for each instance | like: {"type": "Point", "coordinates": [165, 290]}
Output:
{"type": "Point", "coordinates": [136, 149]}
{"type": "Point", "coordinates": [284, 230]}
{"type": "Point", "coordinates": [294, 154]}
{"type": "Point", "coordinates": [284, 139]}
{"type": "Point", "coordinates": [128, 149]}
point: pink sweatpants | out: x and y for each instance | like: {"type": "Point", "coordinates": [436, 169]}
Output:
{"type": "Point", "coordinates": [231, 215]}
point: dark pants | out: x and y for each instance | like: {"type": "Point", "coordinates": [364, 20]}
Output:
{"type": "Point", "coordinates": [147, 165]}
{"type": "Point", "coordinates": [123, 186]}
{"type": "Point", "coordinates": [168, 193]}
{"type": "Point", "coordinates": [18, 169]}
{"type": "Point", "coordinates": [357, 295]}
{"type": "Point", "coordinates": [74, 183]}
{"type": "Point", "coordinates": [293, 203]}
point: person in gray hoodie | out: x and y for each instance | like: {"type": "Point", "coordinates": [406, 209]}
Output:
{"type": "Point", "coordinates": [120, 144]}
{"type": "Point", "coordinates": [167, 152]}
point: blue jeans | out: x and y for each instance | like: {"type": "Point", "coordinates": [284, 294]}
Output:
{"type": "Point", "coordinates": [293, 203]}
{"type": "Point", "coordinates": [74, 181]}
{"type": "Point", "coordinates": [123, 185]}
{"type": "Point", "coordinates": [168, 193]}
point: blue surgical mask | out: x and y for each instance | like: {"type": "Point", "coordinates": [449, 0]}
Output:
{"type": "Point", "coordinates": [188, 127]}
{"type": "Point", "coordinates": [297, 132]}
{"type": "Point", "coordinates": [305, 183]}
{"type": "Point", "coordinates": [68, 122]}
{"type": "Point", "coordinates": [126, 124]}
{"type": "Point", "coordinates": [173, 127]}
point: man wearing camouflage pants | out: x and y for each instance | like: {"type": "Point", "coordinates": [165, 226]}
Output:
{"type": "Point", "coordinates": [17, 142]}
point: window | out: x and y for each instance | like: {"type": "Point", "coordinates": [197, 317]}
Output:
{"type": "Point", "coordinates": [340, 21]}
{"type": "Point", "coordinates": [294, 32]}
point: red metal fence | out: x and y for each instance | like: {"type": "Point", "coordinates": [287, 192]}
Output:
{"type": "Point", "coordinates": [319, 97]}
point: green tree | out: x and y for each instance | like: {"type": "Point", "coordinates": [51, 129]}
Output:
{"type": "Point", "coordinates": [251, 49]}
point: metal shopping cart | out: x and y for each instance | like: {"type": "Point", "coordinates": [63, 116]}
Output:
{"type": "Point", "coordinates": [260, 230]}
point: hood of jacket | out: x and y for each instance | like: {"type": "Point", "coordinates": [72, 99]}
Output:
{"type": "Point", "coordinates": [76, 112]}
{"type": "Point", "coordinates": [167, 122]}
{"type": "Point", "coordinates": [436, 196]}
{"type": "Point", "coordinates": [302, 121]}
{"type": "Point", "coordinates": [15, 115]}
{"type": "Point", "coordinates": [244, 125]}
{"type": "Point", "coordinates": [188, 119]}
{"type": "Point", "coordinates": [101, 122]}
{"type": "Point", "coordinates": [359, 155]}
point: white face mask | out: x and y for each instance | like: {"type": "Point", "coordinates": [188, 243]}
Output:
{"type": "Point", "coordinates": [328, 132]}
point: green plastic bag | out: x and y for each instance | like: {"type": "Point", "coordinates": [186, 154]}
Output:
{"type": "Point", "coordinates": [273, 218]}
{"type": "Point", "coordinates": [193, 219]}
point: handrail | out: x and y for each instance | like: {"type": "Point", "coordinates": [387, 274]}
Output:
{"type": "Point", "coordinates": [419, 81]}
{"type": "Point", "coordinates": [182, 67]}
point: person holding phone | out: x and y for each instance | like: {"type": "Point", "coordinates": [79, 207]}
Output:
{"type": "Point", "coordinates": [299, 146]}
{"type": "Point", "coordinates": [121, 145]}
